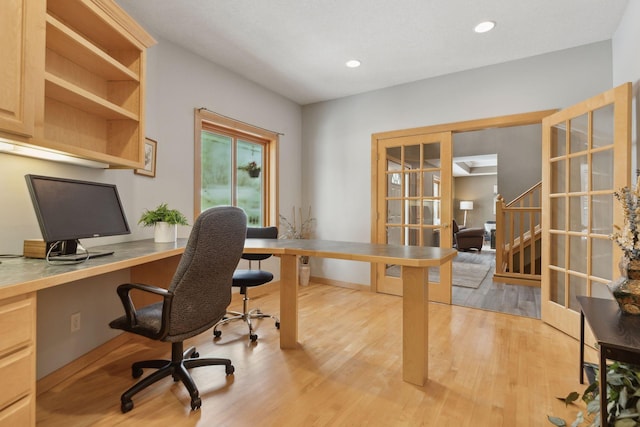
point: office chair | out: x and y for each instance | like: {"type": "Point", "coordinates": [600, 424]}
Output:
{"type": "Point", "coordinates": [244, 279]}
{"type": "Point", "coordinates": [197, 298]}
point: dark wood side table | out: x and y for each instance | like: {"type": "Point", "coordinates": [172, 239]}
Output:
{"type": "Point", "coordinates": [617, 334]}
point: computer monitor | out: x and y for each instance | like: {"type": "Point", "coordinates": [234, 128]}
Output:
{"type": "Point", "coordinates": [69, 210]}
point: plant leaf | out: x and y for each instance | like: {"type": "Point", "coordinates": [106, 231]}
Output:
{"type": "Point", "coordinates": [557, 421]}
{"type": "Point", "coordinates": [571, 397]}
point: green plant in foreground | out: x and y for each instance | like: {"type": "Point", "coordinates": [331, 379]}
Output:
{"type": "Point", "coordinates": [162, 214]}
{"type": "Point", "coordinates": [623, 398]}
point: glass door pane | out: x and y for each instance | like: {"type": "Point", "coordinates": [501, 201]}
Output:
{"type": "Point", "coordinates": [588, 157]}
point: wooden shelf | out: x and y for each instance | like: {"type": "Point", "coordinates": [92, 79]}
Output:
{"type": "Point", "coordinates": [77, 49]}
{"type": "Point", "coordinates": [67, 93]}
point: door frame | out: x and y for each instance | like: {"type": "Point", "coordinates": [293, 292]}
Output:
{"type": "Point", "coordinates": [521, 119]}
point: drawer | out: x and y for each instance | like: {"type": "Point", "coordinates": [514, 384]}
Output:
{"type": "Point", "coordinates": [21, 413]}
{"type": "Point", "coordinates": [18, 376]}
{"type": "Point", "coordinates": [17, 323]}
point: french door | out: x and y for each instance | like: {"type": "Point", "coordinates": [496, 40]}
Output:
{"type": "Point", "coordinates": [586, 157]}
{"type": "Point", "coordinates": [415, 207]}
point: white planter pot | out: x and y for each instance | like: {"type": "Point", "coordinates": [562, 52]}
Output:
{"type": "Point", "coordinates": [303, 274]}
{"type": "Point", "coordinates": [165, 232]}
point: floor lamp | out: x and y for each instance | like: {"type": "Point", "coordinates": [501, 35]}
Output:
{"type": "Point", "coordinates": [466, 205]}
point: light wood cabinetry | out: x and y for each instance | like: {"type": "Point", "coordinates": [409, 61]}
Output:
{"type": "Point", "coordinates": [17, 360]}
{"type": "Point", "coordinates": [89, 80]}
{"type": "Point", "coordinates": [21, 42]}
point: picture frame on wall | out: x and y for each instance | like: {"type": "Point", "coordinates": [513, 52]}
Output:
{"type": "Point", "coordinates": [150, 152]}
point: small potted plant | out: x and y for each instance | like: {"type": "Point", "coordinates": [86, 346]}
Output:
{"type": "Point", "coordinates": [165, 221]}
{"type": "Point", "coordinates": [252, 169]}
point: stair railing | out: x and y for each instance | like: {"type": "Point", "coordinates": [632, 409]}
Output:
{"type": "Point", "coordinates": [518, 238]}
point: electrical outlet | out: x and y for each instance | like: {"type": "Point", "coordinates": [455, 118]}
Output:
{"type": "Point", "coordinates": [75, 322]}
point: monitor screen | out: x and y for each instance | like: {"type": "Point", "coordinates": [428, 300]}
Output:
{"type": "Point", "coordinates": [69, 209]}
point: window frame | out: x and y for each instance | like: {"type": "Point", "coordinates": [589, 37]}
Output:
{"type": "Point", "coordinates": [208, 121]}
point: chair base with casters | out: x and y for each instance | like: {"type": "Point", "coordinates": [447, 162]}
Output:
{"type": "Point", "coordinates": [246, 315]}
{"type": "Point", "coordinates": [181, 361]}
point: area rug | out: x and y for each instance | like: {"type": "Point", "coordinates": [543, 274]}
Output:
{"type": "Point", "coordinates": [464, 274]}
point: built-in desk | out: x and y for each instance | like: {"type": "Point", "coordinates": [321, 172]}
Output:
{"type": "Point", "coordinates": [20, 279]}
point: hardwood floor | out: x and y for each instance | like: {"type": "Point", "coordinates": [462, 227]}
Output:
{"type": "Point", "coordinates": [485, 369]}
{"type": "Point", "coordinates": [512, 299]}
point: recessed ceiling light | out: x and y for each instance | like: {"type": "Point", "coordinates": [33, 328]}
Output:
{"type": "Point", "coordinates": [485, 26]}
{"type": "Point", "coordinates": [353, 63]}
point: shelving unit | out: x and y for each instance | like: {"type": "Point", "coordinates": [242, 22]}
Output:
{"type": "Point", "coordinates": [94, 82]}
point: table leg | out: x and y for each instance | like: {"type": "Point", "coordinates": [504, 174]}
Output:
{"type": "Point", "coordinates": [288, 301]}
{"type": "Point", "coordinates": [603, 385]}
{"type": "Point", "coordinates": [581, 347]}
{"type": "Point", "coordinates": [415, 325]}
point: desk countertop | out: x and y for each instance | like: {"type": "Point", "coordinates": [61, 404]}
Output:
{"type": "Point", "coordinates": [22, 275]}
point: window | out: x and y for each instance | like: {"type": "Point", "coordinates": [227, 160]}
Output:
{"type": "Point", "coordinates": [235, 165]}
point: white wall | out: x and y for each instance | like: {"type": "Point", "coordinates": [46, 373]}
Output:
{"type": "Point", "coordinates": [178, 82]}
{"type": "Point", "coordinates": [626, 66]}
{"type": "Point", "coordinates": [337, 134]}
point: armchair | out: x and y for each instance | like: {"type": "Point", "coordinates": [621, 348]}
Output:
{"type": "Point", "coordinates": [465, 239]}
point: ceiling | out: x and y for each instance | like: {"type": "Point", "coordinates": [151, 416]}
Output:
{"type": "Point", "coordinates": [486, 164]}
{"type": "Point", "coordinates": [298, 48]}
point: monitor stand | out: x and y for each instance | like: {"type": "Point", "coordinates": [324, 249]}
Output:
{"type": "Point", "coordinates": [80, 256]}
{"type": "Point", "coordinates": [66, 250]}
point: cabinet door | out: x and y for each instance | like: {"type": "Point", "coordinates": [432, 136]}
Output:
{"type": "Point", "coordinates": [22, 47]}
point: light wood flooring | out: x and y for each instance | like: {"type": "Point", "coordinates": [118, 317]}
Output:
{"type": "Point", "coordinates": [486, 369]}
{"type": "Point", "coordinates": [512, 299]}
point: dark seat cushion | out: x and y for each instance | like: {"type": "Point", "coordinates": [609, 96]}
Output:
{"type": "Point", "coordinates": [248, 278]}
{"type": "Point", "coordinates": [149, 321]}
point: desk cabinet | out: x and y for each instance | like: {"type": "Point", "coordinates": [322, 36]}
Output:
{"type": "Point", "coordinates": [17, 360]}
{"type": "Point", "coordinates": [22, 47]}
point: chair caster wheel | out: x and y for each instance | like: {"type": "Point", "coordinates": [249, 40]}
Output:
{"type": "Point", "coordinates": [136, 372]}
{"type": "Point", "coordinates": [277, 325]}
{"type": "Point", "coordinates": [229, 370]}
{"type": "Point", "coordinates": [253, 337]}
{"type": "Point", "coordinates": [126, 406]}
{"type": "Point", "coordinates": [196, 403]}
{"type": "Point", "coordinates": [217, 334]}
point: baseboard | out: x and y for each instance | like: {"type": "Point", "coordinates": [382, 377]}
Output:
{"type": "Point", "coordinates": [339, 284]}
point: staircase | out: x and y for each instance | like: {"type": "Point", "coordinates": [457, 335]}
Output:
{"type": "Point", "coordinates": [518, 238]}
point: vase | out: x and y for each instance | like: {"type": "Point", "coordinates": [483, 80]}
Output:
{"type": "Point", "coordinates": [626, 290]}
{"type": "Point", "coordinates": [165, 232]}
{"type": "Point", "coordinates": [304, 272]}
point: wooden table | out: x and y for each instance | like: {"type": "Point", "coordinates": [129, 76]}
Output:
{"type": "Point", "coordinates": [617, 334]}
{"type": "Point", "coordinates": [415, 262]}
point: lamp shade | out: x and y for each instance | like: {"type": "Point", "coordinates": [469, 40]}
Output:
{"type": "Point", "coordinates": [466, 205]}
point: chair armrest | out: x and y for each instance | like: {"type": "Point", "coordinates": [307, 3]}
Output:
{"type": "Point", "coordinates": [129, 308]}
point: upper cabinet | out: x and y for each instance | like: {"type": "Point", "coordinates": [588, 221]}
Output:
{"type": "Point", "coordinates": [89, 84]}
{"type": "Point", "coordinates": [22, 46]}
